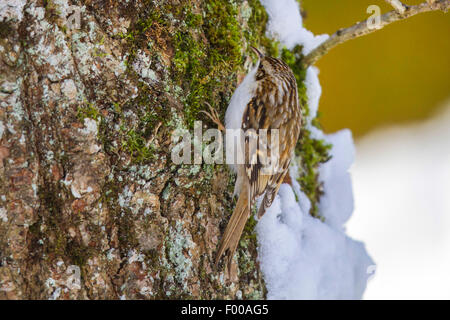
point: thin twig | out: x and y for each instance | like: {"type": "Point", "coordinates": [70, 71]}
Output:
{"type": "Point", "coordinates": [362, 28]}
{"type": "Point", "coordinates": [397, 5]}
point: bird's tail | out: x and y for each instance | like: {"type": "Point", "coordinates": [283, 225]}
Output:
{"type": "Point", "coordinates": [235, 227]}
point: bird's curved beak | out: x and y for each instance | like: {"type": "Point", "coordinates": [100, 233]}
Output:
{"type": "Point", "coordinates": [258, 53]}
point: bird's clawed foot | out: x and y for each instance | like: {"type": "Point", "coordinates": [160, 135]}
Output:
{"type": "Point", "coordinates": [214, 116]}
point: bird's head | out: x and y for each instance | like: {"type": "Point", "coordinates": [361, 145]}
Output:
{"type": "Point", "coordinates": [269, 66]}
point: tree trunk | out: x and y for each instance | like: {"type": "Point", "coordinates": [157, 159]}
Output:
{"type": "Point", "coordinates": [92, 207]}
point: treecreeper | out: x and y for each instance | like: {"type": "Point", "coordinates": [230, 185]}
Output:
{"type": "Point", "coordinates": [267, 109]}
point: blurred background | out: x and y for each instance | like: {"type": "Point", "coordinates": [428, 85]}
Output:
{"type": "Point", "coordinates": [392, 89]}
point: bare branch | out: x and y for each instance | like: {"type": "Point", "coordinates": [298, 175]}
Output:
{"type": "Point", "coordinates": [362, 28]}
{"type": "Point", "coordinates": [398, 5]}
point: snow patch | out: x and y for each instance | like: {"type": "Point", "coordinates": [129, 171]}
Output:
{"type": "Point", "coordinates": [313, 92]}
{"type": "Point", "coordinates": [285, 24]}
{"type": "Point", "coordinates": [336, 204]}
{"type": "Point", "coordinates": [304, 258]}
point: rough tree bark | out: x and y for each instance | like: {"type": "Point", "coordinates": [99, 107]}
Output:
{"type": "Point", "coordinates": [87, 185]}
{"type": "Point", "coordinates": [91, 206]}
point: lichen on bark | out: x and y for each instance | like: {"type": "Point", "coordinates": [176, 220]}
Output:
{"type": "Point", "coordinates": [87, 188]}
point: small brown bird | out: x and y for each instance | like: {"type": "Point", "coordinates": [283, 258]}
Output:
{"type": "Point", "coordinates": [266, 99]}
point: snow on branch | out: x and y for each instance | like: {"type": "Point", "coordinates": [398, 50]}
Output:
{"type": "Point", "coordinates": [398, 5]}
{"type": "Point", "coordinates": [362, 28]}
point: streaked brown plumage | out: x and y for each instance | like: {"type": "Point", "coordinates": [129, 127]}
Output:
{"type": "Point", "coordinates": [273, 105]}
